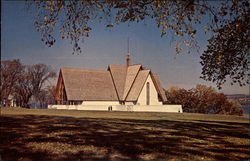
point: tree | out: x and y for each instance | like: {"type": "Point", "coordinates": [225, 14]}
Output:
{"type": "Point", "coordinates": [236, 108]}
{"type": "Point", "coordinates": [23, 89]}
{"type": "Point", "coordinates": [31, 82]}
{"type": "Point", "coordinates": [23, 81]}
{"type": "Point", "coordinates": [228, 54]}
{"type": "Point", "coordinates": [203, 99]}
{"type": "Point", "coordinates": [46, 96]}
{"type": "Point", "coordinates": [39, 73]}
{"type": "Point", "coordinates": [51, 90]}
{"type": "Point", "coordinates": [204, 96]}
{"type": "Point", "coordinates": [182, 96]}
{"type": "Point", "coordinates": [228, 20]}
{"type": "Point", "coordinates": [10, 74]}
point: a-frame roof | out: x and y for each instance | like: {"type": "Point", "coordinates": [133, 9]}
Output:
{"type": "Point", "coordinates": [157, 82]}
{"type": "Point", "coordinates": [118, 74]}
{"type": "Point", "coordinates": [132, 72]}
{"type": "Point", "coordinates": [82, 84]}
{"type": "Point", "coordinates": [123, 77]}
{"type": "Point", "coordinates": [118, 83]}
{"type": "Point", "coordinates": [138, 85]}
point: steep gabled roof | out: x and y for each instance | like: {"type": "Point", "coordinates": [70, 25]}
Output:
{"type": "Point", "coordinates": [118, 74]}
{"type": "Point", "coordinates": [118, 83]}
{"type": "Point", "coordinates": [82, 84]}
{"type": "Point", "coordinates": [59, 87]}
{"type": "Point", "coordinates": [138, 85]}
{"type": "Point", "coordinates": [156, 80]}
{"type": "Point", "coordinates": [132, 72]}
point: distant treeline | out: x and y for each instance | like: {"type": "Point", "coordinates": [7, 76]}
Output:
{"type": "Point", "coordinates": [243, 99]}
{"type": "Point", "coordinates": [203, 99]}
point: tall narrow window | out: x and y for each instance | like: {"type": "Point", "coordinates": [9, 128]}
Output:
{"type": "Point", "coordinates": [148, 93]}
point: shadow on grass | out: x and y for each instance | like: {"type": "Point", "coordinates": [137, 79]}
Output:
{"type": "Point", "coordinates": [32, 137]}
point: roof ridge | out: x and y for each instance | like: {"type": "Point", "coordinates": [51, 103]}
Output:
{"type": "Point", "coordinates": [158, 86]}
{"type": "Point", "coordinates": [126, 92]}
{"type": "Point", "coordinates": [82, 84]}
{"type": "Point", "coordinates": [125, 65]}
{"type": "Point", "coordinates": [118, 78]}
{"type": "Point", "coordinates": [139, 86]}
{"type": "Point", "coordinates": [117, 65]}
{"type": "Point", "coordinates": [136, 64]}
{"type": "Point", "coordinates": [82, 69]}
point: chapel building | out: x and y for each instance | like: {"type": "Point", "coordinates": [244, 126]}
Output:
{"type": "Point", "coordinates": [118, 85]}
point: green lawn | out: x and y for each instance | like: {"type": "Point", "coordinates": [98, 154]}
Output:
{"type": "Point", "coordinates": [90, 135]}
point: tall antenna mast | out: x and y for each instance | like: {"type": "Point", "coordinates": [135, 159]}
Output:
{"type": "Point", "coordinates": [128, 55]}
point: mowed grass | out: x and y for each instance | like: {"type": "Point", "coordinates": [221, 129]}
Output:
{"type": "Point", "coordinates": [91, 135]}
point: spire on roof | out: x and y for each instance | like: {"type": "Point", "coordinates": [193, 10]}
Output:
{"type": "Point", "coordinates": [128, 59]}
{"type": "Point", "coordinates": [128, 55]}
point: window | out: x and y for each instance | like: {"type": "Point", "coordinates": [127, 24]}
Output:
{"type": "Point", "coordinates": [148, 94]}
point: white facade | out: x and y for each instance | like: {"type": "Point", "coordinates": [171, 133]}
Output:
{"type": "Point", "coordinates": [153, 95]}
{"type": "Point", "coordinates": [131, 108]}
{"type": "Point", "coordinates": [100, 103]}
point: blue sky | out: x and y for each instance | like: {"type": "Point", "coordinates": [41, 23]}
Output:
{"type": "Point", "coordinates": [19, 40]}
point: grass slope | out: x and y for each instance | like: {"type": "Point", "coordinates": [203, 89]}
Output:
{"type": "Point", "coordinates": [90, 135]}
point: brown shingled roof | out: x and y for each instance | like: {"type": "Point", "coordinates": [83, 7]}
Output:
{"type": "Point", "coordinates": [118, 83]}
{"type": "Point", "coordinates": [118, 74]}
{"type": "Point", "coordinates": [132, 72]}
{"type": "Point", "coordinates": [138, 85]}
{"type": "Point", "coordinates": [156, 80]}
{"type": "Point", "coordinates": [81, 84]}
